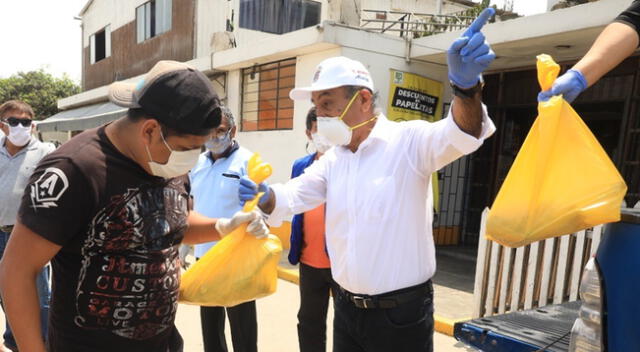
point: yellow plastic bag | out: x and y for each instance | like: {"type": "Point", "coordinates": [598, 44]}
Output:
{"type": "Point", "coordinates": [562, 181]}
{"type": "Point", "coordinates": [239, 268]}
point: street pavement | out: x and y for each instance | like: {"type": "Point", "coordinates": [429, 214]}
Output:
{"type": "Point", "coordinates": [277, 321]}
{"type": "Point", "coordinates": [276, 324]}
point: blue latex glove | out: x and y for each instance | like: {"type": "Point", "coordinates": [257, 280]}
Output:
{"type": "Point", "coordinates": [570, 85]}
{"type": "Point", "coordinates": [470, 54]}
{"type": "Point", "coordinates": [248, 190]}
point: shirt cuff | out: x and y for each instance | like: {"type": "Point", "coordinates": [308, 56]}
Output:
{"type": "Point", "coordinates": [463, 141]}
{"type": "Point", "coordinates": [280, 211]}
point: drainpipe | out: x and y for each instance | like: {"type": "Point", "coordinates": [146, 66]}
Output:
{"type": "Point", "coordinates": [82, 67]}
{"type": "Point", "coordinates": [439, 7]}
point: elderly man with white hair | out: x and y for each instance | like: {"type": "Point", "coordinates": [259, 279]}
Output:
{"type": "Point", "coordinates": [375, 182]}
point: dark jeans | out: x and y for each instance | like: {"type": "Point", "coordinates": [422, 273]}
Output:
{"type": "Point", "coordinates": [406, 328]}
{"type": "Point", "coordinates": [244, 328]}
{"type": "Point", "coordinates": [44, 296]}
{"type": "Point", "coordinates": [315, 285]}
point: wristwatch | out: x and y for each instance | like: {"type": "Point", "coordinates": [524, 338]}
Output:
{"type": "Point", "coordinates": [469, 92]}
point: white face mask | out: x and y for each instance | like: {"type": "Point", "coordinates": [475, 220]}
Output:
{"type": "Point", "coordinates": [219, 145]}
{"type": "Point", "coordinates": [335, 130]}
{"type": "Point", "coordinates": [179, 163]}
{"type": "Point", "coordinates": [19, 135]}
{"type": "Point", "coordinates": [320, 143]}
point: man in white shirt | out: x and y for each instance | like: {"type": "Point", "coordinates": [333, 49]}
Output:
{"type": "Point", "coordinates": [20, 153]}
{"type": "Point", "coordinates": [375, 182]}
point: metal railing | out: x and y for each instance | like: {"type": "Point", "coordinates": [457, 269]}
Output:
{"type": "Point", "coordinates": [412, 24]}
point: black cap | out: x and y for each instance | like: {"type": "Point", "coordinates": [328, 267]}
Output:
{"type": "Point", "coordinates": [176, 94]}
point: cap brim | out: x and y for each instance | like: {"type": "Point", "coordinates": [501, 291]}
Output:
{"type": "Point", "coordinates": [304, 93]}
{"type": "Point", "coordinates": [121, 94]}
{"type": "Point", "coordinates": [301, 93]}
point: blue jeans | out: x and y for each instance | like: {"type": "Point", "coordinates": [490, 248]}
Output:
{"type": "Point", "coordinates": [44, 296]}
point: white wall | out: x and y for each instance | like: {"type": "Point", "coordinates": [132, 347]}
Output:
{"type": "Point", "coordinates": [421, 6]}
{"type": "Point", "coordinates": [212, 17]}
{"type": "Point", "coordinates": [379, 66]}
{"type": "Point", "coordinates": [527, 7]}
{"type": "Point", "coordinates": [280, 148]}
{"type": "Point", "coordinates": [55, 136]}
{"type": "Point", "coordinates": [101, 13]}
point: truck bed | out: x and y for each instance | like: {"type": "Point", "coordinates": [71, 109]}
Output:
{"type": "Point", "coordinates": [524, 331]}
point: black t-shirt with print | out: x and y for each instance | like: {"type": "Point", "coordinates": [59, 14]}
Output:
{"type": "Point", "coordinates": [631, 16]}
{"type": "Point", "coordinates": [116, 278]}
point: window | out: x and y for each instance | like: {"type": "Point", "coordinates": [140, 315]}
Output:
{"type": "Point", "coordinates": [265, 96]}
{"type": "Point", "coordinates": [279, 17]}
{"type": "Point", "coordinates": [100, 45]}
{"type": "Point", "coordinates": [153, 18]}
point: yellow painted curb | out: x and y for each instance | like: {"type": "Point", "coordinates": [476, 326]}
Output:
{"type": "Point", "coordinates": [290, 275]}
{"type": "Point", "coordinates": [441, 324]}
{"type": "Point", "coordinates": [445, 325]}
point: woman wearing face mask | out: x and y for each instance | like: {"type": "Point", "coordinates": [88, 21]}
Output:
{"type": "Point", "coordinates": [309, 249]}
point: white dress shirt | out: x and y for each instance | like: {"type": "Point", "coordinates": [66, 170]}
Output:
{"type": "Point", "coordinates": [378, 201]}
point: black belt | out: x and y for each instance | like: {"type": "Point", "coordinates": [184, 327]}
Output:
{"type": "Point", "coordinates": [6, 229]}
{"type": "Point", "coordinates": [387, 300]}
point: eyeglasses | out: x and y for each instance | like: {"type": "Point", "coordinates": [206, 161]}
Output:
{"type": "Point", "coordinates": [221, 135]}
{"type": "Point", "coordinates": [14, 121]}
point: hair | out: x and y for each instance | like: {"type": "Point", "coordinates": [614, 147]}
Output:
{"type": "Point", "coordinates": [312, 117]}
{"type": "Point", "coordinates": [351, 90]}
{"type": "Point", "coordinates": [136, 114]}
{"type": "Point", "coordinates": [228, 115]}
{"type": "Point", "coordinates": [16, 105]}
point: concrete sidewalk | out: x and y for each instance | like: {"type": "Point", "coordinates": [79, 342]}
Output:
{"type": "Point", "coordinates": [277, 321]}
{"type": "Point", "coordinates": [452, 285]}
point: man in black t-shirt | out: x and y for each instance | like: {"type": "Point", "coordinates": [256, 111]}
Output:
{"type": "Point", "coordinates": [109, 209]}
{"type": "Point", "coordinates": [616, 42]}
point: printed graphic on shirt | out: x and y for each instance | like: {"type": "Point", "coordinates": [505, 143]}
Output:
{"type": "Point", "coordinates": [48, 189]}
{"type": "Point", "coordinates": [130, 276]}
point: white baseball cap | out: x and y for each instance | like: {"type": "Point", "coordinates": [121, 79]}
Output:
{"type": "Point", "coordinates": [332, 73]}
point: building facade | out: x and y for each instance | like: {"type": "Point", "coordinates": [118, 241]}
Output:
{"type": "Point", "coordinates": [254, 62]}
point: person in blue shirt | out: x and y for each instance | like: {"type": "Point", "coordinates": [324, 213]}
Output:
{"type": "Point", "coordinates": [214, 183]}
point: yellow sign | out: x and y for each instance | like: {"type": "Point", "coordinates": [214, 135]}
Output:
{"type": "Point", "coordinates": [413, 97]}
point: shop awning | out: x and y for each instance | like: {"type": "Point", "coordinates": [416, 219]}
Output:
{"type": "Point", "coordinates": [82, 118]}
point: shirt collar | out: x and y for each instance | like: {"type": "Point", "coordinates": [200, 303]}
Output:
{"type": "Point", "coordinates": [380, 132]}
{"type": "Point", "coordinates": [234, 146]}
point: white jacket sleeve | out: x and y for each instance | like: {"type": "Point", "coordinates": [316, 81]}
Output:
{"type": "Point", "coordinates": [302, 193]}
{"type": "Point", "coordinates": [435, 145]}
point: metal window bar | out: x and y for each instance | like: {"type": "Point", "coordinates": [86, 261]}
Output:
{"type": "Point", "coordinates": [277, 106]}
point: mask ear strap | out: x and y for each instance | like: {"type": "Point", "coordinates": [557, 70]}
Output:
{"type": "Point", "coordinates": [349, 105]}
{"type": "Point", "coordinates": [146, 147]}
{"type": "Point", "coordinates": [363, 123]}
{"type": "Point", "coordinates": [165, 141]}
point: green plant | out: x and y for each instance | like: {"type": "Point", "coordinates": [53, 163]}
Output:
{"type": "Point", "coordinates": [39, 89]}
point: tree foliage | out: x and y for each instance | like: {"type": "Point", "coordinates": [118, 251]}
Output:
{"type": "Point", "coordinates": [39, 89]}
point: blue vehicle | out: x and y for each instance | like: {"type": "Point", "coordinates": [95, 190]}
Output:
{"type": "Point", "coordinates": [604, 319]}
